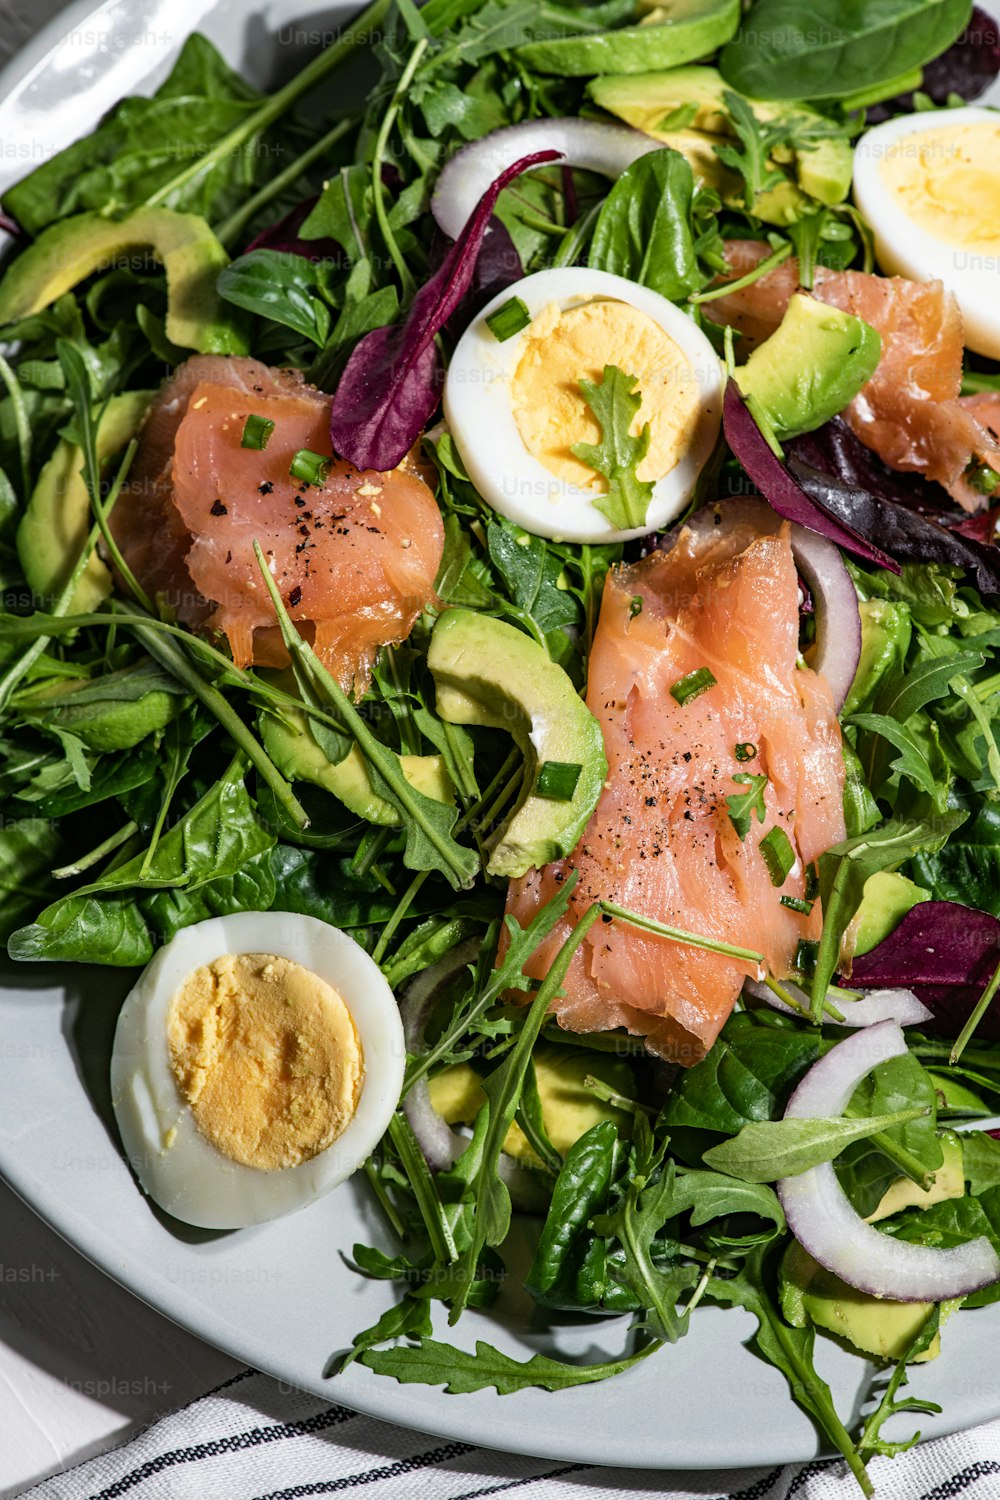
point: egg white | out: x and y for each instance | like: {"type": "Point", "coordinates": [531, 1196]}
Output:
{"type": "Point", "coordinates": [480, 415]}
{"type": "Point", "coordinates": [178, 1166]}
{"type": "Point", "coordinates": [903, 248]}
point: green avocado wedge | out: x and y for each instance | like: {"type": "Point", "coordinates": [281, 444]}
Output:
{"type": "Point", "coordinates": [58, 517]}
{"type": "Point", "coordinates": [296, 752]}
{"type": "Point", "coordinates": [814, 363]}
{"type": "Point", "coordinates": [669, 34]}
{"type": "Point", "coordinates": [487, 672]}
{"type": "Point", "coordinates": [68, 252]}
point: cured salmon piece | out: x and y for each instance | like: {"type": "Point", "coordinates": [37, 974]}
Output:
{"type": "Point", "coordinates": [355, 557]}
{"type": "Point", "coordinates": [909, 412]}
{"type": "Point", "coordinates": [661, 841]}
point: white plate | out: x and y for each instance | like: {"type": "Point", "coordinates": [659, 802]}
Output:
{"type": "Point", "coordinates": [282, 1296]}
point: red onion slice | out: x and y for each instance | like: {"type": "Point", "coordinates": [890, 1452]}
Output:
{"type": "Point", "coordinates": [588, 144]}
{"type": "Point", "coordinates": [838, 619]}
{"type": "Point", "coordinates": [819, 1212]}
{"type": "Point", "coordinates": [901, 1006]}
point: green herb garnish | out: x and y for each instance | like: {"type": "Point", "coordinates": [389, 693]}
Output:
{"type": "Point", "coordinates": [686, 689]}
{"type": "Point", "coordinates": [744, 806]}
{"type": "Point", "coordinates": [557, 780]}
{"type": "Point", "coordinates": [635, 606]}
{"type": "Point", "coordinates": [779, 856]}
{"type": "Point", "coordinates": [615, 403]}
{"type": "Point", "coordinates": [256, 432]}
{"type": "Point", "coordinates": [795, 903]}
{"type": "Point", "coordinates": [982, 478]}
{"type": "Point", "coordinates": [745, 751]}
{"type": "Point", "coordinates": [510, 318]}
{"type": "Point", "coordinates": [310, 467]}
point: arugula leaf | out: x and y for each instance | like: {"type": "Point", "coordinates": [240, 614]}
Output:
{"type": "Point", "coordinates": [922, 683]}
{"type": "Point", "coordinates": [410, 1318]}
{"type": "Point", "coordinates": [911, 761]}
{"type": "Point", "coordinates": [434, 1363]}
{"type": "Point", "coordinates": [751, 158]}
{"type": "Point", "coordinates": [768, 1151]}
{"type": "Point", "coordinates": [617, 456]}
{"type": "Point", "coordinates": [789, 1350]}
{"type": "Point", "coordinates": [744, 806]}
{"type": "Point", "coordinates": [531, 575]}
{"type": "Point", "coordinates": [502, 1088]}
{"type": "Point", "coordinates": [709, 1196]}
{"type": "Point", "coordinates": [645, 229]}
{"type": "Point", "coordinates": [844, 869]}
{"type": "Point", "coordinates": [648, 1202]}
{"type": "Point", "coordinates": [981, 1161]}
{"type": "Point", "coordinates": [888, 1406]}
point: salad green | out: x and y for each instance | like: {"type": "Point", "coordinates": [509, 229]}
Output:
{"type": "Point", "coordinates": [149, 782]}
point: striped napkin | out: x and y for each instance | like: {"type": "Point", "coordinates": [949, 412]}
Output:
{"type": "Point", "coordinates": [256, 1439]}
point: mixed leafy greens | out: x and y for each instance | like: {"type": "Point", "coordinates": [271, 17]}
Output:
{"type": "Point", "coordinates": [139, 791]}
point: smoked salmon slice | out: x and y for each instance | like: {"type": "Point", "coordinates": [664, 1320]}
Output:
{"type": "Point", "coordinates": [355, 556]}
{"type": "Point", "coordinates": [661, 841]}
{"type": "Point", "coordinates": [909, 413]}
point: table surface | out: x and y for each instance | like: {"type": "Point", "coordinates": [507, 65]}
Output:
{"type": "Point", "coordinates": [83, 1363]}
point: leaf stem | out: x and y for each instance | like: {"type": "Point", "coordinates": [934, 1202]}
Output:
{"type": "Point", "coordinates": [981, 1007]}
{"type": "Point", "coordinates": [277, 104]}
{"type": "Point", "coordinates": [678, 934]}
{"type": "Point", "coordinates": [760, 269]}
{"type": "Point", "coordinates": [238, 220]}
{"type": "Point", "coordinates": [378, 190]}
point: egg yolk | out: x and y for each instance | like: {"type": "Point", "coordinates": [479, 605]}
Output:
{"type": "Point", "coordinates": [563, 345]}
{"type": "Point", "coordinates": [266, 1055]}
{"type": "Point", "coordinates": [947, 181]}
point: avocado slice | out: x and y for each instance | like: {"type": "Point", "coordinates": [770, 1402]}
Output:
{"type": "Point", "coordinates": [695, 95]}
{"type": "Point", "coordinates": [67, 252]}
{"type": "Point", "coordinates": [294, 749]}
{"type": "Point", "coordinates": [810, 1294]}
{"type": "Point", "coordinates": [114, 711]}
{"type": "Point", "coordinates": [670, 33]}
{"type": "Point", "coordinates": [886, 628]}
{"type": "Point", "coordinates": [58, 517]}
{"type": "Point", "coordinates": [569, 1108]}
{"type": "Point", "coordinates": [487, 672]}
{"type": "Point", "coordinates": [949, 1182]}
{"type": "Point", "coordinates": [887, 897]}
{"type": "Point", "coordinates": [814, 363]}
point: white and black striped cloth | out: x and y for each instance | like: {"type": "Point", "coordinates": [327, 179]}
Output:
{"type": "Point", "coordinates": [253, 1439]}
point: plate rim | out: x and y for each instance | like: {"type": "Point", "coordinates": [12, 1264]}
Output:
{"type": "Point", "coordinates": [88, 1239]}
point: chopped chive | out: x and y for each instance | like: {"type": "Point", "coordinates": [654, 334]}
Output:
{"type": "Point", "coordinates": [779, 856]}
{"type": "Point", "coordinates": [679, 118]}
{"type": "Point", "coordinates": [805, 956]}
{"type": "Point", "coordinates": [692, 686]}
{"type": "Point", "coordinates": [557, 780]}
{"type": "Point", "coordinates": [795, 904]}
{"type": "Point", "coordinates": [635, 606]}
{"type": "Point", "coordinates": [256, 432]}
{"type": "Point", "coordinates": [508, 319]}
{"type": "Point", "coordinates": [746, 751]}
{"type": "Point", "coordinates": [310, 467]}
{"type": "Point", "coordinates": [812, 883]}
{"type": "Point", "coordinates": [982, 478]}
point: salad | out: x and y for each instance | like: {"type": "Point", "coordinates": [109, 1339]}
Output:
{"type": "Point", "coordinates": [501, 627]}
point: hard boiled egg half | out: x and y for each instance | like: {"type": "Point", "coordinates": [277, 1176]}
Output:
{"type": "Point", "coordinates": [515, 409]}
{"type": "Point", "coordinates": [256, 1064]}
{"type": "Point", "coordinates": [929, 185]}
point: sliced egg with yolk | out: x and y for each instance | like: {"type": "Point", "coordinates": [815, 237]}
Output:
{"type": "Point", "coordinates": [516, 410]}
{"type": "Point", "coordinates": [257, 1062]}
{"type": "Point", "coordinates": [929, 186]}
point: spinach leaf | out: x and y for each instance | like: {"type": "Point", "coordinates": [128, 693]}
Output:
{"type": "Point", "coordinates": [913, 1149]}
{"type": "Point", "coordinates": [433, 1363]}
{"type": "Point", "coordinates": [140, 146]}
{"type": "Point", "coordinates": [645, 230]}
{"type": "Point", "coordinates": [981, 1161]}
{"type": "Point", "coordinates": [108, 930]}
{"type": "Point", "coordinates": [765, 1151]}
{"type": "Point", "coordinates": [565, 1271]}
{"type": "Point", "coordinates": [251, 888]}
{"type": "Point", "coordinates": [530, 575]}
{"type": "Point", "coordinates": [29, 849]}
{"type": "Point", "coordinates": [782, 52]}
{"type": "Point", "coordinates": [285, 288]}
{"type": "Point", "coordinates": [967, 867]}
{"type": "Point", "coordinates": [747, 1075]}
